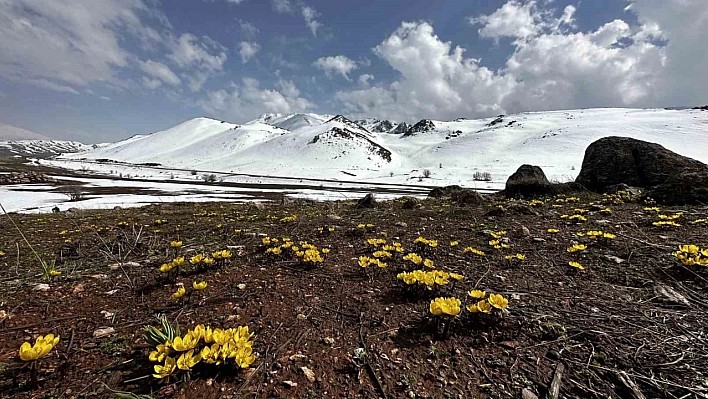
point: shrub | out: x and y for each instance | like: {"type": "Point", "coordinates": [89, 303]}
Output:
{"type": "Point", "coordinates": [209, 178]}
{"type": "Point", "coordinates": [75, 193]}
{"type": "Point", "coordinates": [482, 176]}
{"type": "Point", "coordinates": [427, 173]}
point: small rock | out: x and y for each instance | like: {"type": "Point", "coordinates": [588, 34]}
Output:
{"type": "Point", "coordinates": [401, 224]}
{"type": "Point", "coordinates": [78, 289]}
{"type": "Point", "coordinates": [99, 276]}
{"type": "Point", "coordinates": [297, 357]}
{"type": "Point", "coordinates": [334, 217]}
{"type": "Point", "coordinates": [553, 354]}
{"type": "Point", "coordinates": [308, 373]}
{"type": "Point", "coordinates": [329, 340]}
{"type": "Point", "coordinates": [301, 316]}
{"type": "Point", "coordinates": [603, 222]}
{"type": "Point", "coordinates": [290, 384]}
{"type": "Point", "coordinates": [3, 315]}
{"type": "Point", "coordinates": [614, 259]}
{"type": "Point", "coordinates": [106, 314]}
{"type": "Point", "coordinates": [527, 394]}
{"type": "Point", "coordinates": [111, 292]}
{"type": "Point", "coordinates": [41, 287]}
{"type": "Point", "coordinates": [103, 332]}
{"type": "Point", "coordinates": [411, 394]}
{"type": "Point", "coordinates": [539, 239]}
{"type": "Point", "coordinates": [241, 286]}
{"type": "Point", "coordinates": [524, 231]}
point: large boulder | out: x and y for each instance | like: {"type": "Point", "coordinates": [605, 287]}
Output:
{"type": "Point", "coordinates": [623, 160]}
{"type": "Point", "coordinates": [669, 178]}
{"type": "Point", "coordinates": [442, 192]}
{"type": "Point", "coordinates": [461, 196]}
{"type": "Point", "coordinates": [527, 181]}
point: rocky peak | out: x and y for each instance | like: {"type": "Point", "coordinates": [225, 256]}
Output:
{"type": "Point", "coordinates": [347, 122]}
{"type": "Point", "coordinates": [402, 128]}
{"type": "Point", "coordinates": [424, 125]}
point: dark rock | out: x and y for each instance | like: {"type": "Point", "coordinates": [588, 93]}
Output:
{"type": "Point", "coordinates": [383, 126]}
{"type": "Point", "coordinates": [367, 202]}
{"type": "Point", "coordinates": [442, 192]}
{"type": "Point", "coordinates": [686, 187]}
{"type": "Point", "coordinates": [56, 209]}
{"type": "Point", "coordinates": [527, 181]}
{"type": "Point", "coordinates": [615, 160]}
{"type": "Point", "coordinates": [467, 197]}
{"type": "Point", "coordinates": [410, 202]}
{"type": "Point", "coordinates": [424, 125]}
{"type": "Point", "coordinates": [402, 128]}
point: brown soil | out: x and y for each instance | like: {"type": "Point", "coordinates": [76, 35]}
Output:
{"type": "Point", "coordinates": [597, 322]}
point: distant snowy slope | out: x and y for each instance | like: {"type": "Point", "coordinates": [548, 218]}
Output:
{"type": "Point", "coordinates": [12, 133]}
{"type": "Point", "coordinates": [41, 147]}
{"type": "Point", "coordinates": [309, 145]}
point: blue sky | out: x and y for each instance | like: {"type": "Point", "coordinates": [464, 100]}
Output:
{"type": "Point", "coordinates": [103, 70]}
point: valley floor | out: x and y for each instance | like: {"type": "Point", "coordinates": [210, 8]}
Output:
{"type": "Point", "coordinates": [335, 329]}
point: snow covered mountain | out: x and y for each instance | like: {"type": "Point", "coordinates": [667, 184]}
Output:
{"type": "Point", "coordinates": [42, 147]}
{"type": "Point", "coordinates": [323, 146]}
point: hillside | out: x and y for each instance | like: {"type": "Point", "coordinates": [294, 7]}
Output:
{"type": "Point", "coordinates": [42, 147]}
{"type": "Point", "coordinates": [12, 133]}
{"type": "Point", "coordinates": [326, 327]}
{"type": "Point", "coordinates": [319, 146]}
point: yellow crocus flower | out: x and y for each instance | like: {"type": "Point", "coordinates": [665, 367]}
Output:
{"type": "Point", "coordinates": [42, 346]}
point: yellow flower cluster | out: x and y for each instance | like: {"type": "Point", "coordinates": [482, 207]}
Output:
{"type": "Point", "coordinates": [580, 210]}
{"type": "Point", "coordinates": [178, 294]}
{"type": "Point", "coordinates": [176, 244]}
{"type": "Point", "coordinates": [578, 218]}
{"type": "Point", "coordinates": [205, 345]}
{"type": "Point", "coordinates": [576, 265]}
{"type": "Point", "coordinates": [517, 256]}
{"type": "Point", "coordinates": [652, 209]}
{"type": "Point", "coordinates": [199, 286]}
{"type": "Point", "coordinates": [160, 222]}
{"type": "Point", "coordinates": [445, 306]}
{"type": "Point", "coordinates": [697, 221]}
{"type": "Point", "coordinates": [364, 226]}
{"type": "Point", "coordinates": [577, 248]}
{"type": "Point", "coordinates": [594, 234]}
{"type": "Point", "coordinates": [553, 231]}
{"type": "Point", "coordinates": [562, 200]}
{"type": "Point", "coordinates": [425, 241]}
{"type": "Point", "coordinates": [671, 217]}
{"type": "Point", "coordinates": [536, 202]}
{"type": "Point", "coordinates": [2, 253]}
{"type": "Point", "coordinates": [606, 211]}
{"type": "Point", "coordinates": [497, 234]}
{"type": "Point", "coordinates": [325, 229]}
{"type": "Point", "coordinates": [224, 254]}
{"type": "Point", "coordinates": [374, 242]}
{"type": "Point", "coordinates": [365, 261]}
{"type": "Point", "coordinates": [382, 254]}
{"type": "Point", "coordinates": [497, 244]}
{"type": "Point", "coordinates": [42, 346]}
{"type": "Point", "coordinates": [289, 219]}
{"type": "Point", "coordinates": [393, 247]}
{"type": "Point", "coordinates": [496, 301]}
{"type": "Point", "coordinates": [174, 263]}
{"type": "Point", "coordinates": [307, 252]}
{"type": "Point", "coordinates": [429, 279]}
{"type": "Point", "coordinates": [666, 223]}
{"type": "Point", "coordinates": [690, 255]}
{"type": "Point", "coordinates": [472, 250]}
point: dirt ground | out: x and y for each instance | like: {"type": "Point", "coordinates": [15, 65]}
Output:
{"type": "Point", "coordinates": [634, 318]}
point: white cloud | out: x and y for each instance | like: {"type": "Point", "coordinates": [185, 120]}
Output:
{"type": "Point", "coordinates": [553, 66]}
{"type": "Point", "coordinates": [247, 28]}
{"type": "Point", "coordinates": [105, 98]}
{"type": "Point", "coordinates": [311, 16]}
{"type": "Point", "coordinates": [160, 71]}
{"type": "Point", "coordinates": [364, 79]}
{"type": "Point", "coordinates": [247, 50]}
{"type": "Point", "coordinates": [68, 45]}
{"type": "Point", "coordinates": [201, 57]}
{"type": "Point", "coordinates": [338, 64]}
{"type": "Point", "coordinates": [246, 101]}
{"type": "Point", "coordinates": [282, 6]}
{"type": "Point", "coordinates": [513, 19]}
{"type": "Point", "coordinates": [151, 84]}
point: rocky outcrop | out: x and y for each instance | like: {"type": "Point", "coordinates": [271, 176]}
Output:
{"type": "Point", "coordinates": [368, 201]}
{"type": "Point", "coordinates": [424, 125]}
{"type": "Point", "coordinates": [665, 176]}
{"type": "Point", "coordinates": [402, 128]}
{"type": "Point", "coordinates": [442, 192]}
{"type": "Point", "coordinates": [459, 195]}
{"type": "Point", "coordinates": [527, 181]}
